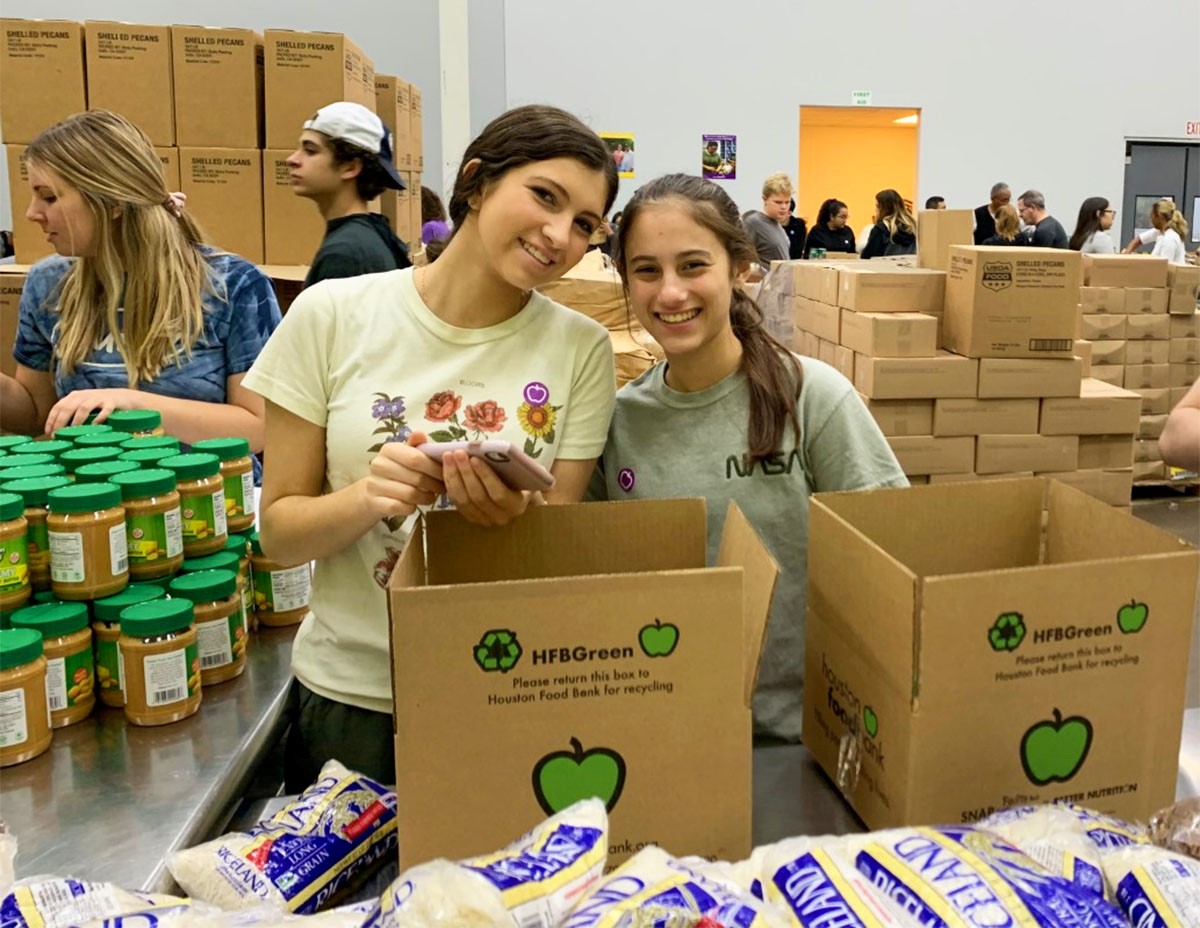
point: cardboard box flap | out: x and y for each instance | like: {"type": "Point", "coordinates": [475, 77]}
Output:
{"type": "Point", "coordinates": [1079, 528]}
{"type": "Point", "coordinates": [741, 547]}
{"type": "Point", "coordinates": [614, 538]}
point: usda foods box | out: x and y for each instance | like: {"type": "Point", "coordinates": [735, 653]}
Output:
{"type": "Point", "coordinates": [577, 652]}
{"type": "Point", "coordinates": [962, 658]}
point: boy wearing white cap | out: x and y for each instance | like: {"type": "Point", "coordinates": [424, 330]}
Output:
{"type": "Point", "coordinates": [343, 162]}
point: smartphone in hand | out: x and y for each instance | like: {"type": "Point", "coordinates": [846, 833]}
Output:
{"type": "Point", "coordinates": [513, 466]}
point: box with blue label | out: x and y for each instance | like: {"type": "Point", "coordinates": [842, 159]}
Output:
{"type": "Point", "coordinates": [974, 646]}
{"type": "Point", "coordinates": [580, 651]}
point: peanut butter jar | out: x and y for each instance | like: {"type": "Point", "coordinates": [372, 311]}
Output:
{"type": "Point", "coordinates": [14, 553]}
{"type": "Point", "coordinates": [70, 664]}
{"type": "Point", "coordinates": [202, 498]}
{"type": "Point", "coordinates": [24, 714]}
{"type": "Point", "coordinates": [237, 470]}
{"type": "Point", "coordinates": [73, 433]}
{"type": "Point", "coordinates": [153, 523]}
{"type": "Point", "coordinates": [145, 442]}
{"type": "Point", "coordinates": [35, 491]}
{"type": "Point", "coordinates": [8, 442]}
{"type": "Point", "coordinates": [31, 465]}
{"type": "Point", "coordinates": [53, 447]}
{"type": "Point", "coordinates": [239, 545]}
{"type": "Point", "coordinates": [220, 628]}
{"type": "Point", "coordinates": [106, 630]}
{"type": "Point", "coordinates": [139, 423]}
{"type": "Point", "coordinates": [281, 594]}
{"type": "Point", "coordinates": [78, 457]}
{"type": "Point", "coordinates": [104, 471]}
{"type": "Point", "coordinates": [160, 662]}
{"type": "Point", "coordinates": [89, 554]}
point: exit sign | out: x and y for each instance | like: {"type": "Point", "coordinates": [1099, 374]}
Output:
{"type": "Point", "coordinates": [861, 97]}
{"type": "Point", "coordinates": [1193, 129]}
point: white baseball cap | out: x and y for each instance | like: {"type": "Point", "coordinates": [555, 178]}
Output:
{"type": "Point", "coordinates": [354, 123]}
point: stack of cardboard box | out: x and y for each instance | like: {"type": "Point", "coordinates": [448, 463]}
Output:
{"type": "Point", "coordinates": [399, 105]}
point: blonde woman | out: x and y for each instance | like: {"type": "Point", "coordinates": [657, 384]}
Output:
{"type": "Point", "coordinates": [1008, 228]}
{"type": "Point", "coordinates": [134, 311]}
{"type": "Point", "coordinates": [895, 230]}
{"type": "Point", "coordinates": [1167, 235]}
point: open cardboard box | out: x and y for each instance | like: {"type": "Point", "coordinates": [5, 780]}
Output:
{"type": "Point", "coordinates": [980, 645]}
{"type": "Point", "coordinates": [578, 651]}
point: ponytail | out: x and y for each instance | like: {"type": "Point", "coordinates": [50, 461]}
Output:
{"type": "Point", "coordinates": [774, 377]}
{"type": "Point", "coordinates": [1178, 223]}
{"type": "Point", "coordinates": [1168, 213]}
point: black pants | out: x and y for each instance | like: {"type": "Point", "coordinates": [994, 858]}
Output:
{"type": "Point", "coordinates": [322, 729]}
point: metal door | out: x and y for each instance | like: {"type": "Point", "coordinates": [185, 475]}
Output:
{"type": "Point", "coordinates": [1154, 170]}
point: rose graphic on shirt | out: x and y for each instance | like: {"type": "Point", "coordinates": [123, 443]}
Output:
{"type": "Point", "coordinates": [487, 416]}
{"type": "Point", "coordinates": [444, 407]}
{"type": "Point", "coordinates": [385, 565]}
{"type": "Point", "coordinates": [626, 479]}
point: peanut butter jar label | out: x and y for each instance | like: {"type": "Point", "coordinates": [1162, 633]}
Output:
{"type": "Point", "coordinates": [69, 680]}
{"type": "Point", "coordinates": [108, 666]}
{"type": "Point", "coordinates": [14, 564]}
{"type": "Point", "coordinates": [203, 516]}
{"type": "Point", "coordinates": [171, 677]}
{"type": "Point", "coordinates": [14, 726]}
{"type": "Point", "coordinates": [155, 536]}
{"type": "Point", "coordinates": [239, 495]}
{"type": "Point", "coordinates": [39, 546]}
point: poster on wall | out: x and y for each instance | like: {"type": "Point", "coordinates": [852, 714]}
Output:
{"type": "Point", "coordinates": [718, 157]}
{"type": "Point", "coordinates": [620, 146]}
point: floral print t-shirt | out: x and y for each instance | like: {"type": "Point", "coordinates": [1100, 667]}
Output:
{"type": "Point", "coordinates": [366, 359]}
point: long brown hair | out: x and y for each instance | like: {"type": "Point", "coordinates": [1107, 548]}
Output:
{"type": "Point", "coordinates": [520, 136]}
{"type": "Point", "coordinates": [144, 249]}
{"type": "Point", "coordinates": [774, 373]}
{"type": "Point", "coordinates": [893, 213]}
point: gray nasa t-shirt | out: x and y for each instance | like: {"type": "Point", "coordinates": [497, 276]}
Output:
{"type": "Point", "coordinates": [663, 443]}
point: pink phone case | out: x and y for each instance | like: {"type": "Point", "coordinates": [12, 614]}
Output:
{"type": "Point", "coordinates": [517, 469]}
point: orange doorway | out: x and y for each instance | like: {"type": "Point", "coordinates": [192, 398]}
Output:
{"type": "Point", "coordinates": [853, 152]}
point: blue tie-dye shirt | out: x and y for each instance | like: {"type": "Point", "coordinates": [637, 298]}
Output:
{"type": "Point", "coordinates": [240, 313]}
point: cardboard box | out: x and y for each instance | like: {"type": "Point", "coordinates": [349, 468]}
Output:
{"type": "Point", "coordinates": [1124, 271]}
{"type": "Point", "coordinates": [1108, 354]}
{"type": "Point", "coordinates": [394, 206]}
{"type": "Point", "coordinates": [1141, 327]}
{"type": "Point", "coordinates": [985, 417]}
{"type": "Point", "coordinates": [416, 132]}
{"type": "Point", "coordinates": [822, 319]}
{"type": "Point", "coordinates": [1105, 452]}
{"type": "Point", "coordinates": [1183, 280]}
{"type": "Point", "coordinates": [814, 280]}
{"type": "Point", "coordinates": [1185, 326]}
{"type": "Point", "coordinates": [224, 187]}
{"type": "Point", "coordinates": [916, 378]}
{"type": "Point", "coordinates": [1113, 487]}
{"type": "Point", "coordinates": [890, 289]}
{"type": "Point", "coordinates": [592, 670]}
{"type": "Point", "coordinates": [1155, 402]}
{"type": "Point", "coordinates": [218, 87]}
{"type": "Point", "coordinates": [1100, 409]}
{"type": "Point", "coordinates": [1083, 351]}
{"type": "Point", "coordinates": [1102, 326]}
{"type": "Point", "coordinates": [1148, 352]}
{"type": "Point", "coordinates": [911, 594]}
{"type": "Point", "coordinates": [292, 225]}
{"type": "Point", "coordinates": [844, 362]}
{"type": "Point", "coordinates": [1113, 374]}
{"type": "Point", "coordinates": [1145, 301]}
{"type": "Point", "coordinates": [42, 64]}
{"type": "Point", "coordinates": [999, 453]}
{"type": "Point", "coordinates": [1001, 378]}
{"type": "Point", "coordinates": [12, 282]}
{"type": "Point", "coordinates": [29, 242]}
{"type": "Point", "coordinates": [1012, 302]}
{"type": "Point", "coordinates": [304, 71]}
{"type": "Point", "coordinates": [1152, 427]}
{"type": "Point", "coordinates": [1184, 350]}
{"type": "Point", "coordinates": [287, 282]}
{"type": "Point", "coordinates": [1149, 471]}
{"type": "Point", "coordinates": [973, 477]}
{"type": "Point", "coordinates": [1141, 376]}
{"type": "Point", "coordinates": [810, 345]}
{"type": "Point", "coordinates": [1182, 374]}
{"type": "Point", "coordinates": [901, 417]}
{"type": "Point", "coordinates": [414, 205]}
{"type": "Point", "coordinates": [925, 454]}
{"type": "Point", "coordinates": [392, 97]}
{"type": "Point", "coordinates": [170, 166]}
{"type": "Point", "coordinates": [889, 335]}
{"type": "Point", "coordinates": [1177, 395]}
{"type": "Point", "coordinates": [937, 230]}
{"type": "Point", "coordinates": [1102, 300]}
{"type": "Point", "coordinates": [917, 480]}
{"type": "Point", "coordinates": [827, 352]}
{"type": "Point", "coordinates": [124, 61]}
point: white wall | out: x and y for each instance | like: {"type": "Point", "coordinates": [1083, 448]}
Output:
{"type": "Point", "coordinates": [1035, 93]}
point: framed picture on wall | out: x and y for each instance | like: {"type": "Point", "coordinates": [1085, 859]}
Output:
{"type": "Point", "coordinates": [620, 146]}
{"type": "Point", "coordinates": [718, 157]}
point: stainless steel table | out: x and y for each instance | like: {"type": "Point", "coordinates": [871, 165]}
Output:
{"type": "Point", "coordinates": [110, 800]}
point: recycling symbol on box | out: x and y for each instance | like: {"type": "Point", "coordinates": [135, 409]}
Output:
{"type": "Point", "coordinates": [498, 650]}
{"type": "Point", "coordinates": [1007, 632]}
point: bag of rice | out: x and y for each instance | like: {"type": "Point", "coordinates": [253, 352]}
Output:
{"type": "Point", "coordinates": [202, 915]}
{"type": "Point", "coordinates": [654, 889]}
{"type": "Point", "coordinates": [60, 903]}
{"type": "Point", "coordinates": [1156, 888]}
{"type": "Point", "coordinates": [301, 856]}
{"type": "Point", "coordinates": [532, 883]}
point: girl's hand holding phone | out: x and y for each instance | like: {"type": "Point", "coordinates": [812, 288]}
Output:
{"type": "Point", "coordinates": [402, 478]}
{"type": "Point", "coordinates": [478, 493]}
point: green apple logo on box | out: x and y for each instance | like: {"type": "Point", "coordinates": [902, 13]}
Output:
{"type": "Point", "coordinates": [870, 721]}
{"type": "Point", "coordinates": [659, 640]}
{"type": "Point", "coordinates": [1007, 632]}
{"type": "Point", "coordinates": [498, 650]}
{"type": "Point", "coordinates": [1131, 618]}
{"type": "Point", "coordinates": [563, 778]}
{"type": "Point", "coordinates": [1053, 750]}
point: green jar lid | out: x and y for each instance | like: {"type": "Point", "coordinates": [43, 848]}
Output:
{"type": "Point", "coordinates": [137, 484]}
{"type": "Point", "coordinates": [101, 440]}
{"type": "Point", "coordinates": [84, 497]}
{"type": "Point", "coordinates": [73, 432]}
{"type": "Point", "coordinates": [192, 466]}
{"type": "Point", "coordinates": [19, 646]}
{"type": "Point", "coordinates": [205, 586]}
{"type": "Point", "coordinates": [53, 620]}
{"type": "Point", "coordinates": [227, 449]}
{"type": "Point", "coordinates": [143, 442]}
{"type": "Point", "coordinates": [8, 442]}
{"type": "Point", "coordinates": [157, 617]}
{"type": "Point", "coordinates": [236, 544]}
{"type": "Point", "coordinates": [222, 560]}
{"type": "Point", "coordinates": [52, 448]}
{"type": "Point", "coordinates": [41, 597]}
{"type": "Point", "coordinates": [149, 457]}
{"type": "Point", "coordinates": [13, 461]}
{"type": "Point", "coordinates": [77, 457]}
{"type": "Point", "coordinates": [135, 420]}
{"type": "Point", "coordinates": [255, 544]}
{"type": "Point", "coordinates": [34, 490]}
{"type": "Point", "coordinates": [104, 471]}
{"type": "Point", "coordinates": [12, 505]}
{"type": "Point", "coordinates": [110, 608]}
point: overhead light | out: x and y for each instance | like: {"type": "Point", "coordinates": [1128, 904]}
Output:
{"type": "Point", "coordinates": [907, 120]}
